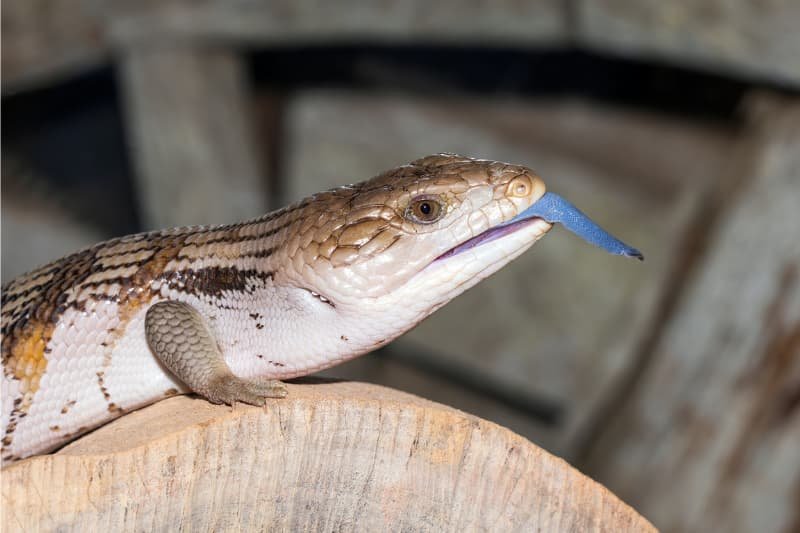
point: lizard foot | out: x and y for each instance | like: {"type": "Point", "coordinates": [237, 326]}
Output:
{"type": "Point", "coordinates": [179, 337]}
{"type": "Point", "coordinates": [229, 389]}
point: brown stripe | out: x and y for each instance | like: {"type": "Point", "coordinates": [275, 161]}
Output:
{"type": "Point", "coordinates": [261, 254]}
{"type": "Point", "coordinates": [103, 253]}
{"type": "Point", "coordinates": [249, 238]}
{"type": "Point", "coordinates": [123, 265]}
{"type": "Point", "coordinates": [213, 281]}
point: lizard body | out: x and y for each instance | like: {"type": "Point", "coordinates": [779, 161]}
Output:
{"type": "Point", "coordinates": [225, 311]}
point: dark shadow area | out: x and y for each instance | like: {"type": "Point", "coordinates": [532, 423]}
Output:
{"type": "Point", "coordinates": [504, 72]}
{"type": "Point", "coordinates": [71, 137]}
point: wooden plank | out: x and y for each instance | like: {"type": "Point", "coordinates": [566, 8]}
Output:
{"type": "Point", "coordinates": [745, 38]}
{"type": "Point", "coordinates": [709, 440]}
{"type": "Point", "coordinates": [47, 40]}
{"type": "Point", "coordinates": [330, 457]}
{"type": "Point", "coordinates": [503, 22]}
{"type": "Point", "coordinates": [189, 117]}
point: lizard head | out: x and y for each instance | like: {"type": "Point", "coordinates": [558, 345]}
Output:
{"type": "Point", "coordinates": [418, 235]}
{"type": "Point", "coordinates": [384, 254]}
{"type": "Point", "coordinates": [428, 230]}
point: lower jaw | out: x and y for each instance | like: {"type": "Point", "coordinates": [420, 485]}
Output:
{"type": "Point", "coordinates": [451, 275]}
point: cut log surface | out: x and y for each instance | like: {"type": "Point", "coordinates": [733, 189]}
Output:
{"type": "Point", "coordinates": [333, 456]}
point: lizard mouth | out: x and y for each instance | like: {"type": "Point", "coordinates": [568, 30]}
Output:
{"type": "Point", "coordinates": [489, 235]}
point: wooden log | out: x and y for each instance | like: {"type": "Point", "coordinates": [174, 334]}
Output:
{"type": "Point", "coordinates": [333, 456]}
{"type": "Point", "coordinates": [190, 124]}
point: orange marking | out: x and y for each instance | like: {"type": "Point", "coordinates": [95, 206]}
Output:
{"type": "Point", "coordinates": [28, 359]}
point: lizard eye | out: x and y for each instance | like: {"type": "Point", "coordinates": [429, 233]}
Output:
{"type": "Point", "coordinates": [424, 210]}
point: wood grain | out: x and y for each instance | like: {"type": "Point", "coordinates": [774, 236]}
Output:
{"type": "Point", "coordinates": [334, 456]}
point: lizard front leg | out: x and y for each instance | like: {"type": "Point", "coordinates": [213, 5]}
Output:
{"type": "Point", "coordinates": [179, 337]}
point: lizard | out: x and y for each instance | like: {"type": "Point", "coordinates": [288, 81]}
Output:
{"type": "Point", "coordinates": [229, 311]}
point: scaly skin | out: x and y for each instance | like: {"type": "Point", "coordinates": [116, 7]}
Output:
{"type": "Point", "coordinates": [287, 294]}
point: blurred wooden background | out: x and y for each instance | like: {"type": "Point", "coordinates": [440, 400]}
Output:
{"type": "Point", "coordinates": [675, 124]}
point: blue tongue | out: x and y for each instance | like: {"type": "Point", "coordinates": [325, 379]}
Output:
{"type": "Point", "coordinates": [552, 208]}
